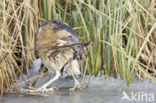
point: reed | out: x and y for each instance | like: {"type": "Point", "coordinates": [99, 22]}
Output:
{"type": "Point", "coordinates": [123, 33]}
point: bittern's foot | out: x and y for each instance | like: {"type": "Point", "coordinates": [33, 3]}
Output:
{"type": "Point", "coordinates": [76, 87]}
{"type": "Point", "coordinates": [41, 89]}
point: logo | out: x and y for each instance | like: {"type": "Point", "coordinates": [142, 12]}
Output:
{"type": "Point", "coordinates": [138, 96]}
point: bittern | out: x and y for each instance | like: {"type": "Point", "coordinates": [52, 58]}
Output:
{"type": "Point", "coordinates": [59, 48]}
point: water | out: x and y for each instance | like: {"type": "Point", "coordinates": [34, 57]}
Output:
{"type": "Point", "coordinates": [99, 90]}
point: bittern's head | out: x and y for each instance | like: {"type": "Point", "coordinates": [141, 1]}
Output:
{"type": "Point", "coordinates": [59, 29]}
{"type": "Point", "coordinates": [53, 24]}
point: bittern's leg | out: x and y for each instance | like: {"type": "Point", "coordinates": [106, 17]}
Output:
{"type": "Point", "coordinates": [77, 84]}
{"type": "Point", "coordinates": [44, 87]}
{"type": "Point", "coordinates": [50, 81]}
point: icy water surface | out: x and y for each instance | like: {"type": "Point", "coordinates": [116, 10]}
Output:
{"type": "Point", "coordinates": [100, 90]}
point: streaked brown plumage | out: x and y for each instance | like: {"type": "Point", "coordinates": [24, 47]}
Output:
{"type": "Point", "coordinates": [55, 33]}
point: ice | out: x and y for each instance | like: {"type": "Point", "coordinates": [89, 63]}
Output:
{"type": "Point", "coordinates": [99, 90]}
